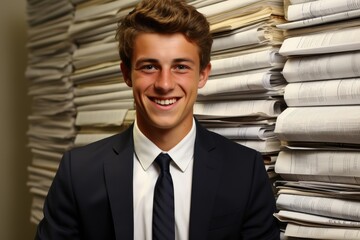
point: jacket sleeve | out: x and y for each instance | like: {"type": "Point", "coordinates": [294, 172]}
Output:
{"type": "Point", "coordinates": [60, 212]}
{"type": "Point", "coordinates": [259, 220]}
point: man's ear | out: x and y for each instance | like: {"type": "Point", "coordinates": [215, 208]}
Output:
{"type": "Point", "coordinates": [126, 74]}
{"type": "Point", "coordinates": [204, 75]}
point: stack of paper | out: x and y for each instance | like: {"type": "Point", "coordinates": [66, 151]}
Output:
{"type": "Point", "coordinates": [104, 103]}
{"type": "Point", "coordinates": [51, 121]}
{"type": "Point", "coordinates": [244, 94]}
{"type": "Point", "coordinates": [309, 16]}
{"type": "Point", "coordinates": [320, 129]}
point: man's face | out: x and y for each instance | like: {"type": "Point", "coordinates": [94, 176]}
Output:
{"type": "Point", "coordinates": [165, 77]}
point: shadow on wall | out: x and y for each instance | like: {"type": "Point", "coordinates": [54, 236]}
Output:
{"type": "Point", "coordinates": [15, 198]}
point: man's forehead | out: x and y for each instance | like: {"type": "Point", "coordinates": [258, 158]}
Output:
{"type": "Point", "coordinates": [155, 60]}
{"type": "Point", "coordinates": [152, 47]}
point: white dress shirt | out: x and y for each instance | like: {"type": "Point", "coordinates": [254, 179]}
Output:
{"type": "Point", "coordinates": [146, 174]}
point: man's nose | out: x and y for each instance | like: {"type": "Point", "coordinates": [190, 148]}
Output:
{"type": "Point", "coordinates": [165, 80]}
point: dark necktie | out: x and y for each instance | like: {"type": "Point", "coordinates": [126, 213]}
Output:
{"type": "Point", "coordinates": [163, 208]}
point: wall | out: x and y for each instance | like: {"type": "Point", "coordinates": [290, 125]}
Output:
{"type": "Point", "coordinates": [15, 199]}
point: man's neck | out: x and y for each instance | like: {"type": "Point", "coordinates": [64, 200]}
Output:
{"type": "Point", "coordinates": [166, 139]}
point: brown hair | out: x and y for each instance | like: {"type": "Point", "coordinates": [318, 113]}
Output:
{"type": "Point", "coordinates": [167, 17]}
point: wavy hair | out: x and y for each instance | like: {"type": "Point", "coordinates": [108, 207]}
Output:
{"type": "Point", "coordinates": [164, 17]}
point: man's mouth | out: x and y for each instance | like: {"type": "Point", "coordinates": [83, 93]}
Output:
{"type": "Point", "coordinates": [165, 102]}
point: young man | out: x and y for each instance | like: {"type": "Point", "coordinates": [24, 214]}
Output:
{"type": "Point", "coordinates": [218, 189]}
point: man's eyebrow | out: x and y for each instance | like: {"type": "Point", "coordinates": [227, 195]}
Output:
{"type": "Point", "coordinates": [178, 60]}
{"type": "Point", "coordinates": [153, 60]}
{"type": "Point", "coordinates": [146, 60]}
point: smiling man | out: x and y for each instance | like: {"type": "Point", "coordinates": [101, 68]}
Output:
{"type": "Point", "coordinates": [166, 177]}
{"type": "Point", "coordinates": [165, 75]}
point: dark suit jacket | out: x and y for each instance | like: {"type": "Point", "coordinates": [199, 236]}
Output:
{"type": "Point", "coordinates": [91, 197]}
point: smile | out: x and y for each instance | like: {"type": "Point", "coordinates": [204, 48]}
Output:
{"type": "Point", "coordinates": [165, 102]}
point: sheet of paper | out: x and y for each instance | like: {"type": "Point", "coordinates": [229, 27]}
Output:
{"type": "Point", "coordinates": [328, 207]}
{"type": "Point", "coordinates": [320, 20]}
{"type": "Point", "coordinates": [339, 124]}
{"type": "Point", "coordinates": [320, 8]}
{"type": "Point", "coordinates": [246, 62]}
{"type": "Point", "coordinates": [246, 132]}
{"type": "Point", "coordinates": [211, 110]}
{"type": "Point", "coordinates": [98, 89]}
{"type": "Point", "coordinates": [323, 93]}
{"type": "Point", "coordinates": [309, 219]}
{"type": "Point", "coordinates": [268, 146]}
{"type": "Point", "coordinates": [101, 118]}
{"type": "Point", "coordinates": [322, 67]}
{"type": "Point", "coordinates": [242, 83]}
{"type": "Point", "coordinates": [104, 97]}
{"type": "Point", "coordinates": [264, 16]}
{"type": "Point", "coordinates": [342, 40]}
{"type": "Point", "coordinates": [330, 233]}
{"type": "Point", "coordinates": [255, 35]}
{"type": "Point", "coordinates": [319, 163]}
{"type": "Point", "coordinates": [233, 8]}
{"type": "Point", "coordinates": [122, 104]}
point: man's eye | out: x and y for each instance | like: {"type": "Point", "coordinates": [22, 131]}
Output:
{"type": "Point", "coordinates": [148, 68]}
{"type": "Point", "coordinates": [181, 67]}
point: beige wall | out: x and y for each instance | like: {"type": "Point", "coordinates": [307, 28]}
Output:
{"type": "Point", "coordinates": [15, 199]}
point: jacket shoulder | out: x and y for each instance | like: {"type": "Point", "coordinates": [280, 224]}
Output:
{"type": "Point", "coordinates": [115, 142]}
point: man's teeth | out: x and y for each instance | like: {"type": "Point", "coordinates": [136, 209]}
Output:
{"type": "Point", "coordinates": [165, 102]}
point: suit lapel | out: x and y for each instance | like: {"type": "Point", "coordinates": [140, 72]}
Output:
{"type": "Point", "coordinates": [205, 180]}
{"type": "Point", "coordinates": [119, 182]}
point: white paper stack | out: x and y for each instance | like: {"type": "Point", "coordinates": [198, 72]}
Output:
{"type": "Point", "coordinates": [51, 121]}
{"type": "Point", "coordinates": [104, 103]}
{"type": "Point", "coordinates": [319, 197]}
{"type": "Point", "coordinates": [244, 94]}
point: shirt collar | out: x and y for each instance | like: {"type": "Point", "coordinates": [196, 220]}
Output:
{"type": "Point", "coordinates": [146, 151]}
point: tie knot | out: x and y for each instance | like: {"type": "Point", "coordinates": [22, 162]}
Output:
{"type": "Point", "coordinates": [163, 160]}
